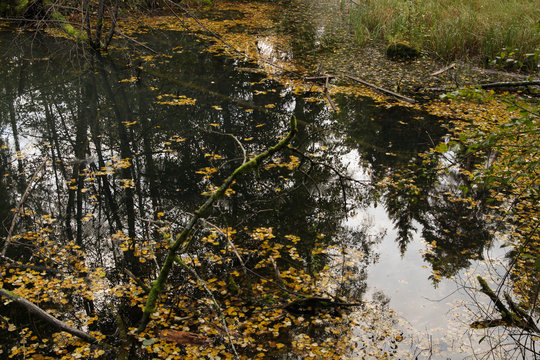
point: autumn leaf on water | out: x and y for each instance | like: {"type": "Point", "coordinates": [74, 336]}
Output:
{"type": "Point", "coordinates": [213, 156]}
{"type": "Point", "coordinates": [131, 79]}
{"type": "Point", "coordinates": [175, 100]}
{"type": "Point", "coordinates": [207, 172]}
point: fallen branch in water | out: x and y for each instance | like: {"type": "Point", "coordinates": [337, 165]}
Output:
{"type": "Point", "coordinates": [326, 84]}
{"type": "Point", "coordinates": [444, 69]}
{"type": "Point", "coordinates": [12, 264]}
{"type": "Point", "coordinates": [383, 90]}
{"type": "Point", "coordinates": [48, 318]}
{"type": "Point", "coordinates": [310, 304]}
{"type": "Point", "coordinates": [503, 73]}
{"type": "Point", "coordinates": [494, 85]}
{"type": "Point", "coordinates": [319, 79]}
{"type": "Point", "coordinates": [184, 240]}
{"type": "Point", "coordinates": [508, 84]}
{"type": "Point", "coordinates": [509, 317]}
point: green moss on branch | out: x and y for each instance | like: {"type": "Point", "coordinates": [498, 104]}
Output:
{"type": "Point", "coordinates": [184, 240]}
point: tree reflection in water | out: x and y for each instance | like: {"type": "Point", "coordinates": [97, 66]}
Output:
{"type": "Point", "coordinates": [124, 172]}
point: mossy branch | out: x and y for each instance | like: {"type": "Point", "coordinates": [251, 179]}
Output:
{"type": "Point", "coordinates": [183, 242]}
{"type": "Point", "coordinates": [484, 287]}
{"type": "Point", "coordinates": [525, 319]}
{"type": "Point", "coordinates": [67, 27]}
{"type": "Point", "coordinates": [509, 317]}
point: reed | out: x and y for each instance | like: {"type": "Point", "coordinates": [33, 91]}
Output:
{"type": "Point", "coordinates": [476, 30]}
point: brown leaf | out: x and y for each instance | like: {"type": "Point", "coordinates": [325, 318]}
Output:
{"type": "Point", "coordinates": [184, 337]}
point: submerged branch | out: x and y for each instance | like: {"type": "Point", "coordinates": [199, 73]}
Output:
{"type": "Point", "coordinates": [48, 318]}
{"type": "Point", "coordinates": [509, 317]}
{"type": "Point", "coordinates": [383, 90]}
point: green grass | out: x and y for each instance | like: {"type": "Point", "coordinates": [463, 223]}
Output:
{"type": "Point", "coordinates": [476, 30]}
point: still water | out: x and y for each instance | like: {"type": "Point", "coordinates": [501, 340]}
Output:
{"type": "Point", "coordinates": [135, 139]}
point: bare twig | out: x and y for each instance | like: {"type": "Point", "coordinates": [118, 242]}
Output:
{"type": "Point", "coordinates": [214, 301]}
{"type": "Point", "coordinates": [135, 41]}
{"type": "Point", "coordinates": [231, 244]}
{"type": "Point", "coordinates": [138, 281]}
{"type": "Point", "coordinates": [444, 69]}
{"type": "Point", "coordinates": [278, 274]}
{"type": "Point", "coordinates": [16, 265]}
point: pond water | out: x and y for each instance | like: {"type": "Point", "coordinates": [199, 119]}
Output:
{"type": "Point", "coordinates": [130, 143]}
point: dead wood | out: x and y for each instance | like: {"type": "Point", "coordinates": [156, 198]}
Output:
{"type": "Point", "coordinates": [504, 84]}
{"type": "Point", "coordinates": [503, 73]}
{"type": "Point", "coordinates": [444, 69]}
{"type": "Point", "coordinates": [309, 305]}
{"type": "Point", "coordinates": [331, 102]}
{"type": "Point", "coordinates": [494, 85]}
{"type": "Point", "coordinates": [383, 90]}
{"type": "Point", "coordinates": [320, 78]}
{"type": "Point", "coordinates": [138, 281]}
{"type": "Point", "coordinates": [323, 80]}
{"type": "Point", "coordinates": [513, 317]}
{"type": "Point", "coordinates": [12, 264]}
{"type": "Point", "coordinates": [48, 318]}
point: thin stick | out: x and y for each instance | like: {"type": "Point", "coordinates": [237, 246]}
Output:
{"type": "Point", "coordinates": [334, 108]}
{"type": "Point", "coordinates": [444, 69]}
{"type": "Point", "coordinates": [318, 78]}
{"type": "Point", "coordinates": [278, 274]}
{"type": "Point", "coordinates": [231, 244]}
{"type": "Point", "coordinates": [394, 94]}
{"type": "Point", "coordinates": [138, 281]}
{"type": "Point", "coordinates": [135, 41]}
{"type": "Point", "coordinates": [503, 84]}
{"type": "Point", "coordinates": [26, 193]}
{"type": "Point", "coordinates": [327, 81]}
{"type": "Point", "coordinates": [216, 305]}
{"type": "Point", "coordinates": [517, 76]}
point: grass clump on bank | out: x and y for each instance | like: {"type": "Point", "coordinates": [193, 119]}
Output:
{"type": "Point", "coordinates": [505, 32]}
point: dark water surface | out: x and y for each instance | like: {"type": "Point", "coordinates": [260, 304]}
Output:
{"type": "Point", "coordinates": [83, 114]}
